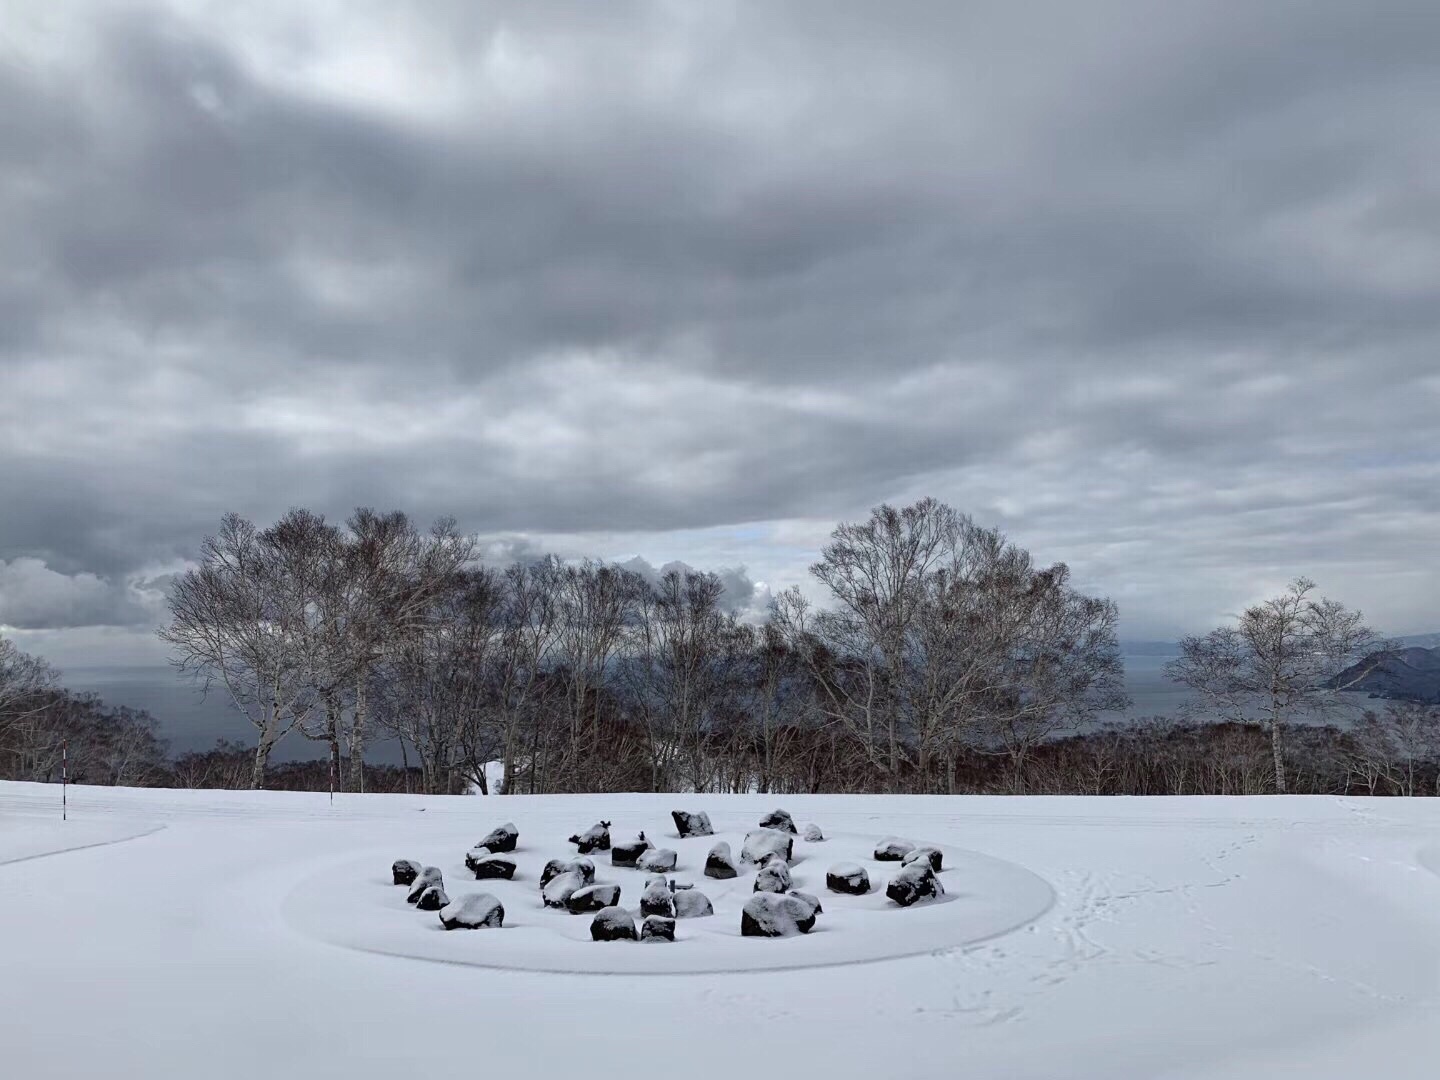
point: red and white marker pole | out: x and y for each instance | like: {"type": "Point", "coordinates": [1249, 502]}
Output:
{"type": "Point", "coordinates": [64, 779]}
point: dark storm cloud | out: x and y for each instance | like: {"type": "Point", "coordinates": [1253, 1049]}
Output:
{"type": "Point", "coordinates": [1156, 292]}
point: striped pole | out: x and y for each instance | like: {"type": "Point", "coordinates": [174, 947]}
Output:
{"type": "Point", "coordinates": [64, 779]}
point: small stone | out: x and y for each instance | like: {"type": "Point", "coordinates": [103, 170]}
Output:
{"type": "Point", "coordinates": [405, 871]}
{"type": "Point", "coordinates": [913, 884]}
{"type": "Point", "coordinates": [848, 878]}
{"type": "Point", "coordinates": [595, 838]}
{"type": "Point", "coordinates": [893, 849]}
{"type": "Point", "coordinates": [592, 898]}
{"type": "Point", "coordinates": [719, 864]}
{"type": "Point", "coordinates": [780, 820]}
{"type": "Point", "coordinates": [657, 861]}
{"type": "Point", "coordinates": [657, 928]}
{"type": "Point", "coordinates": [474, 912]}
{"type": "Point", "coordinates": [813, 834]}
{"type": "Point", "coordinates": [932, 855]}
{"type": "Point", "coordinates": [625, 854]}
{"type": "Point", "coordinates": [762, 842]}
{"type": "Point", "coordinates": [613, 924]}
{"type": "Point", "coordinates": [502, 839]}
{"type": "Point", "coordinates": [688, 823]}
{"type": "Point", "coordinates": [431, 898]}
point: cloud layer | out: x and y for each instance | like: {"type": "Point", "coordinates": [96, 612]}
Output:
{"type": "Point", "coordinates": [1156, 294]}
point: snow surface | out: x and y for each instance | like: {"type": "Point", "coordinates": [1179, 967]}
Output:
{"type": "Point", "coordinates": [1196, 938]}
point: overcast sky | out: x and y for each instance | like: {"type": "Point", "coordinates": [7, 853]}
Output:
{"type": "Point", "coordinates": [1155, 288]}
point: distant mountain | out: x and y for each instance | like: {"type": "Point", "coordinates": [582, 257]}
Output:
{"type": "Point", "coordinates": [1409, 674]}
{"type": "Point", "coordinates": [1420, 641]}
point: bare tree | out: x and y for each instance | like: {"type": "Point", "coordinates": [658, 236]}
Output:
{"type": "Point", "coordinates": [1287, 657]}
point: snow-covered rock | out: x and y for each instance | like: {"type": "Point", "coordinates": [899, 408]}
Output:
{"type": "Point", "coordinates": [720, 864]}
{"type": "Point", "coordinates": [658, 898]}
{"type": "Point", "coordinates": [847, 877]}
{"type": "Point", "coordinates": [558, 890]}
{"type": "Point", "coordinates": [624, 853]}
{"type": "Point", "coordinates": [555, 867]}
{"type": "Point", "coordinates": [692, 823]}
{"type": "Point", "coordinates": [613, 924]}
{"type": "Point", "coordinates": [768, 914]}
{"type": "Point", "coordinates": [762, 842]}
{"type": "Point", "coordinates": [893, 849]}
{"type": "Point", "coordinates": [428, 875]}
{"type": "Point", "coordinates": [780, 820]}
{"type": "Point", "coordinates": [932, 855]}
{"type": "Point", "coordinates": [913, 884]}
{"type": "Point", "coordinates": [483, 864]}
{"type": "Point", "coordinates": [593, 898]}
{"type": "Point", "coordinates": [813, 834]}
{"type": "Point", "coordinates": [431, 898]}
{"type": "Point", "coordinates": [405, 871]}
{"type": "Point", "coordinates": [473, 912]}
{"type": "Point", "coordinates": [657, 928]}
{"type": "Point", "coordinates": [657, 861]}
{"type": "Point", "coordinates": [595, 838]}
{"type": "Point", "coordinates": [692, 904]}
{"type": "Point", "coordinates": [502, 839]}
{"type": "Point", "coordinates": [774, 876]}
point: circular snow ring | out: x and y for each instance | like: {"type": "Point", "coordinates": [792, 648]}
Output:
{"type": "Point", "coordinates": [354, 906]}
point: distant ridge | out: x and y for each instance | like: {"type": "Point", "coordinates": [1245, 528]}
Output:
{"type": "Point", "coordinates": [1407, 674]}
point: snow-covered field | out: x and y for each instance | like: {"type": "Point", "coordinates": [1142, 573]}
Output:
{"type": "Point", "coordinates": [224, 934]}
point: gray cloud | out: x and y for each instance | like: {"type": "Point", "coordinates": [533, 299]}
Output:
{"type": "Point", "coordinates": [1158, 295]}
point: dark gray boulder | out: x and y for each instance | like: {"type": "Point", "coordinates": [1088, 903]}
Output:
{"type": "Point", "coordinates": [428, 875]}
{"type": "Point", "coordinates": [561, 887]}
{"type": "Point", "coordinates": [405, 871]}
{"type": "Point", "coordinates": [626, 853]}
{"type": "Point", "coordinates": [595, 838]}
{"type": "Point", "coordinates": [762, 842]}
{"type": "Point", "coordinates": [691, 904]}
{"type": "Point", "coordinates": [658, 898]}
{"type": "Point", "coordinates": [431, 898]}
{"type": "Point", "coordinates": [812, 833]}
{"type": "Point", "coordinates": [657, 928]}
{"type": "Point", "coordinates": [848, 877]}
{"type": "Point", "coordinates": [592, 898]}
{"type": "Point", "coordinates": [613, 924]}
{"type": "Point", "coordinates": [719, 864]}
{"type": "Point", "coordinates": [485, 865]}
{"type": "Point", "coordinates": [769, 914]}
{"type": "Point", "coordinates": [932, 855]}
{"type": "Point", "coordinates": [773, 876]}
{"type": "Point", "coordinates": [913, 884]}
{"type": "Point", "coordinates": [780, 820]}
{"type": "Point", "coordinates": [474, 912]}
{"type": "Point", "coordinates": [692, 823]}
{"type": "Point", "coordinates": [657, 861]}
{"type": "Point", "coordinates": [893, 849]}
{"type": "Point", "coordinates": [555, 867]}
{"type": "Point", "coordinates": [502, 839]}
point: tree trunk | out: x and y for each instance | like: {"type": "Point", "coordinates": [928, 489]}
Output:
{"type": "Point", "coordinates": [262, 757]}
{"type": "Point", "coordinates": [357, 737]}
{"type": "Point", "coordinates": [1276, 751]}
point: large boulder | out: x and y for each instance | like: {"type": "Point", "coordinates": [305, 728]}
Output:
{"type": "Point", "coordinates": [847, 877]}
{"type": "Point", "coordinates": [613, 924]}
{"type": "Point", "coordinates": [774, 876]}
{"type": "Point", "coordinates": [688, 823]}
{"type": "Point", "coordinates": [561, 887]}
{"type": "Point", "coordinates": [592, 898]}
{"type": "Point", "coordinates": [813, 834]}
{"type": "Point", "coordinates": [762, 842]}
{"type": "Point", "coordinates": [555, 867]}
{"type": "Point", "coordinates": [657, 928]}
{"type": "Point", "coordinates": [768, 914]}
{"type": "Point", "coordinates": [428, 875]}
{"type": "Point", "coordinates": [485, 865]}
{"type": "Point", "coordinates": [624, 853]}
{"type": "Point", "coordinates": [405, 871]}
{"type": "Point", "coordinates": [779, 820]}
{"type": "Point", "coordinates": [431, 898]}
{"type": "Point", "coordinates": [657, 861]}
{"type": "Point", "coordinates": [692, 904]}
{"type": "Point", "coordinates": [474, 912]}
{"type": "Point", "coordinates": [502, 839]}
{"type": "Point", "coordinates": [932, 855]}
{"type": "Point", "coordinates": [893, 849]}
{"type": "Point", "coordinates": [719, 864]}
{"type": "Point", "coordinates": [658, 898]}
{"type": "Point", "coordinates": [595, 838]}
{"type": "Point", "coordinates": [913, 884]}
